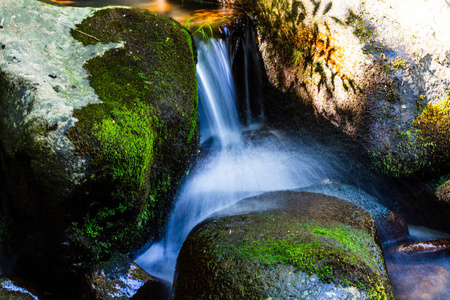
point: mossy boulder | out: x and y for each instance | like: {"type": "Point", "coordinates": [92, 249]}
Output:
{"type": "Point", "coordinates": [366, 68]}
{"type": "Point", "coordinates": [297, 245]}
{"type": "Point", "coordinates": [140, 139]}
{"type": "Point", "coordinates": [390, 225]}
{"type": "Point", "coordinates": [98, 124]}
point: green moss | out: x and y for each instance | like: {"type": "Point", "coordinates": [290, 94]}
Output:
{"type": "Point", "coordinates": [337, 253]}
{"type": "Point", "coordinates": [274, 253]}
{"type": "Point", "coordinates": [364, 34]}
{"type": "Point", "coordinates": [406, 155]}
{"type": "Point", "coordinates": [141, 138]}
{"type": "Point", "coordinates": [433, 125]}
{"type": "Point", "coordinates": [424, 147]}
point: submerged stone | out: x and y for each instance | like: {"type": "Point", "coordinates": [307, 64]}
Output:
{"type": "Point", "coordinates": [419, 281]}
{"type": "Point", "coordinates": [296, 245]}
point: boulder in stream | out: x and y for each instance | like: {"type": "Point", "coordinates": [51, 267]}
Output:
{"type": "Point", "coordinates": [425, 247]}
{"type": "Point", "coordinates": [98, 123]}
{"type": "Point", "coordinates": [295, 245]}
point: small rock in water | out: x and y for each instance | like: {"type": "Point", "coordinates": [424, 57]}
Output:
{"type": "Point", "coordinates": [425, 247]}
{"type": "Point", "coordinates": [120, 278]}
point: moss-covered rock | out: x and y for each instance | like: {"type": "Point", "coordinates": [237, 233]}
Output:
{"type": "Point", "coordinates": [390, 226]}
{"type": "Point", "coordinates": [379, 77]}
{"type": "Point", "coordinates": [299, 245]}
{"type": "Point", "coordinates": [141, 137]}
{"type": "Point", "coordinates": [94, 135]}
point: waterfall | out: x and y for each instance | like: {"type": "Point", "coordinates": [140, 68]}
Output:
{"type": "Point", "coordinates": [217, 110]}
{"type": "Point", "coordinates": [238, 164]}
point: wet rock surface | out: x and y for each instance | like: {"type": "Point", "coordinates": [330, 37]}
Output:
{"type": "Point", "coordinates": [425, 247]}
{"type": "Point", "coordinates": [297, 245]}
{"type": "Point", "coordinates": [12, 288]}
{"type": "Point", "coordinates": [120, 278]}
{"type": "Point", "coordinates": [366, 67]}
{"type": "Point", "coordinates": [391, 226]}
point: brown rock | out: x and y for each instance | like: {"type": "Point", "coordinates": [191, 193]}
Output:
{"type": "Point", "coordinates": [296, 245]}
{"type": "Point", "coordinates": [443, 192]}
{"type": "Point", "coordinates": [394, 227]}
{"type": "Point", "coordinates": [425, 247]}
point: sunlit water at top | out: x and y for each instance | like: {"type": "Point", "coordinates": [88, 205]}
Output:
{"type": "Point", "coordinates": [197, 12]}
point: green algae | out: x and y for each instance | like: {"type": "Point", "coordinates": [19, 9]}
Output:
{"type": "Point", "coordinates": [142, 136]}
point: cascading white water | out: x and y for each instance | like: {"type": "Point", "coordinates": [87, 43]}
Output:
{"type": "Point", "coordinates": [236, 167]}
{"type": "Point", "coordinates": [218, 115]}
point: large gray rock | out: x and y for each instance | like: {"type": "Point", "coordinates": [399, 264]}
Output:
{"type": "Point", "coordinates": [295, 245]}
{"type": "Point", "coordinates": [377, 70]}
{"type": "Point", "coordinates": [98, 123]}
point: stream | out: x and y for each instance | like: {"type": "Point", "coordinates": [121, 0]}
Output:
{"type": "Point", "coordinates": [242, 156]}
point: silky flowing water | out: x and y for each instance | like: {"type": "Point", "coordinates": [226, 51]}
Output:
{"type": "Point", "coordinates": [240, 161]}
{"type": "Point", "coordinates": [240, 156]}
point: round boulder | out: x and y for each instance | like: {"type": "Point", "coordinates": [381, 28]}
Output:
{"type": "Point", "coordinates": [295, 245]}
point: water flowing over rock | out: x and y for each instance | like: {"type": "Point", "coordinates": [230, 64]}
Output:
{"type": "Point", "coordinates": [15, 289]}
{"type": "Point", "coordinates": [423, 281]}
{"type": "Point", "coordinates": [284, 245]}
{"type": "Point", "coordinates": [98, 123]}
{"type": "Point", "coordinates": [120, 278]}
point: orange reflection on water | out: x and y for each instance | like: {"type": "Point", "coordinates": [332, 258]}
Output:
{"type": "Point", "coordinates": [160, 6]}
{"type": "Point", "coordinates": [206, 16]}
{"type": "Point", "coordinates": [63, 1]}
